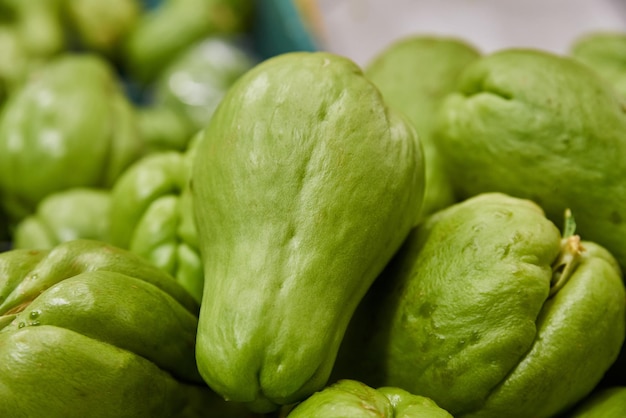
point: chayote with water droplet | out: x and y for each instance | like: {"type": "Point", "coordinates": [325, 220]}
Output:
{"type": "Point", "coordinates": [87, 329]}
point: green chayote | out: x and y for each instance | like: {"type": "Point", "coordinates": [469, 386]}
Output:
{"type": "Point", "coordinates": [196, 81]}
{"type": "Point", "coordinates": [490, 312]}
{"type": "Point", "coordinates": [87, 329]}
{"type": "Point", "coordinates": [70, 126]}
{"type": "Point", "coordinates": [164, 32]}
{"type": "Point", "coordinates": [101, 26]}
{"type": "Point", "coordinates": [605, 403]}
{"type": "Point", "coordinates": [605, 52]}
{"type": "Point", "coordinates": [65, 216]}
{"type": "Point", "coordinates": [303, 186]}
{"type": "Point", "coordinates": [353, 399]}
{"type": "Point", "coordinates": [544, 127]}
{"type": "Point", "coordinates": [414, 75]}
{"type": "Point", "coordinates": [151, 215]}
{"type": "Point", "coordinates": [30, 34]}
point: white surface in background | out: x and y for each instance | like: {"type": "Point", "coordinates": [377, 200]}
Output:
{"type": "Point", "coordinates": [360, 29]}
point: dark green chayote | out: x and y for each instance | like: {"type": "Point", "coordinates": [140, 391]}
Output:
{"type": "Point", "coordinates": [604, 52]}
{"type": "Point", "coordinates": [490, 312]}
{"type": "Point", "coordinates": [353, 399]}
{"type": "Point", "coordinates": [151, 215]}
{"type": "Point", "coordinates": [65, 216]}
{"type": "Point", "coordinates": [605, 403]}
{"type": "Point", "coordinates": [87, 329]}
{"type": "Point", "coordinates": [70, 126]}
{"type": "Point", "coordinates": [161, 34]}
{"type": "Point", "coordinates": [544, 127]}
{"type": "Point", "coordinates": [414, 75]}
{"type": "Point", "coordinates": [304, 184]}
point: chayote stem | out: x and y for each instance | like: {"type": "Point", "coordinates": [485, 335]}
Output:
{"type": "Point", "coordinates": [571, 252]}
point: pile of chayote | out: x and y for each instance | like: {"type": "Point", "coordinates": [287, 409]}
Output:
{"type": "Point", "coordinates": [191, 230]}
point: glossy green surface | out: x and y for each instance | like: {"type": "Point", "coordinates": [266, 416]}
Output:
{"type": "Point", "coordinates": [304, 184]}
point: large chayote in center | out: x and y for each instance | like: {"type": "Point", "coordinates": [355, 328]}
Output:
{"type": "Point", "coordinates": [544, 127]}
{"type": "Point", "coordinates": [489, 311]}
{"type": "Point", "coordinates": [304, 185]}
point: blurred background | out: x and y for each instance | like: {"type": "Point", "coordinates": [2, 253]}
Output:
{"type": "Point", "coordinates": [361, 28]}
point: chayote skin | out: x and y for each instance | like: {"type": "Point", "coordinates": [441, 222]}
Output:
{"type": "Point", "coordinates": [414, 75]}
{"type": "Point", "coordinates": [101, 26]}
{"type": "Point", "coordinates": [65, 216]}
{"type": "Point", "coordinates": [489, 312]}
{"type": "Point", "coordinates": [606, 403]}
{"type": "Point", "coordinates": [70, 126]}
{"type": "Point", "coordinates": [543, 127]}
{"type": "Point", "coordinates": [604, 52]}
{"type": "Point", "coordinates": [164, 32]}
{"type": "Point", "coordinates": [87, 329]}
{"type": "Point", "coordinates": [303, 185]}
{"type": "Point", "coordinates": [196, 81]}
{"type": "Point", "coordinates": [353, 399]}
{"type": "Point", "coordinates": [151, 215]}
{"type": "Point", "coordinates": [30, 35]}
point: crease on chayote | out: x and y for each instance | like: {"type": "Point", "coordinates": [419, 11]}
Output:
{"type": "Point", "coordinates": [303, 184]}
{"type": "Point", "coordinates": [87, 329]}
{"type": "Point", "coordinates": [490, 312]}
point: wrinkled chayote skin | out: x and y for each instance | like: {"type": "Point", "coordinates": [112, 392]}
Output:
{"type": "Point", "coordinates": [65, 216]}
{"type": "Point", "coordinates": [303, 185]}
{"type": "Point", "coordinates": [544, 127]}
{"type": "Point", "coordinates": [70, 126]}
{"type": "Point", "coordinates": [489, 312]}
{"type": "Point", "coordinates": [414, 75]}
{"type": "Point", "coordinates": [605, 52]}
{"type": "Point", "coordinates": [605, 403]}
{"type": "Point", "coordinates": [87, 329]}
{"type": "Point", "coordinates": [167, 30]}
{"type": "Point", "coordinates": [151, 215]}
{"type": "Point", "coordinates": [353, 399]}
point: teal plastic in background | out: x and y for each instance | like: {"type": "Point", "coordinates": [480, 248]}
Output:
{"type": "Point", "coordinates": [278, 28]}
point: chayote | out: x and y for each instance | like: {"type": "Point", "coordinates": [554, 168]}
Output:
{"type": "Point", "coordinates": [490, 312]}
{"type": "Point", "coordinates": [605, 403]}
{"type": "Point", "coordinates": [196, 81]}
{"type": "Point", "coordinates": [304, 184]}
{"type": "Point", "coordinates": [30, 34]}
{"type": "Point", "coordinates": [162, 33]}
{"type": "Point", "coordinates": [70, 126]}
{"type": "Point", "coordinates": [414, 75]}
{"type": "Point", "coordinates": [87, 329]}
{"type": "Point", "coordinates": [65, 216]}
{"type": "Point", "coordinates": [544, 127]}
{"type": "Point", "coordinates": [605, 52]}
{"type": "Point", "coordinates": [101, 26]}
{"type": "Point", "coordinates": [151, 215]}
{"type": "Point", "coordinates": [353, 399]}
